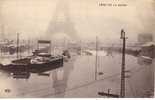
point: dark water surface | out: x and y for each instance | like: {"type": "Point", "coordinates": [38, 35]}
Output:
{"type": "Point", "coordinates": [77, 78]}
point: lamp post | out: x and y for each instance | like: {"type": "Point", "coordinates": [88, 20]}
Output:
{"type": "Point", "coordinates": [122, 91]}
{"type": "Point", "coordinates": [96, 62]}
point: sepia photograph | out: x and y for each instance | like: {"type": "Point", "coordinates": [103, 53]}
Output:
{"type": "Point", "coordinates": [77, 48]}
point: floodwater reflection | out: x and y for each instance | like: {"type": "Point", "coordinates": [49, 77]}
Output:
{"type": "Point", "coordinates": [60, 83]}
{"type": "Point", "coordinates": [77, 72]}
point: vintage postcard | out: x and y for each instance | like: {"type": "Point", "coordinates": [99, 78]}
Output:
{"type": "Point", "coordinates": [77, 48]}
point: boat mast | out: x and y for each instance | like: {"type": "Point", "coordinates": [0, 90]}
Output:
{"type": "Point", "coordinates": [28, 46]}
{"type": "Point", "coordinates": [17, 45]}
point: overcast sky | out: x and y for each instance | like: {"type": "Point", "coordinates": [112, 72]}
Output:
{"type": "Point", "coordinates": [32, 18]}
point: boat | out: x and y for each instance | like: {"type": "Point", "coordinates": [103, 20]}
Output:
{"type": "Point", "coordinates": [66, 55]}
{"type": "Point", "coordinates": [37, 63]}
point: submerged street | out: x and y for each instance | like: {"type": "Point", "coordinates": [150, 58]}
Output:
{"type": "Point", "coordinates": [77, 78]}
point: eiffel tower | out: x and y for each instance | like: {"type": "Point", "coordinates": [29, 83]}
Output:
{"type": "Point", "coordinates": [2, 28]}
{"type": "Point", "coordinates": [61, 21]}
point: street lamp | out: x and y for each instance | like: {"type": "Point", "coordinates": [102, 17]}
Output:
{"type": "Point", "coordinates": [122, 34]}
{"type": "Point", "coordinates": [122, 91]}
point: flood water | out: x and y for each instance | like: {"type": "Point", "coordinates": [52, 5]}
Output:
{"type": "Point", "coordinates": [76, 78]}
